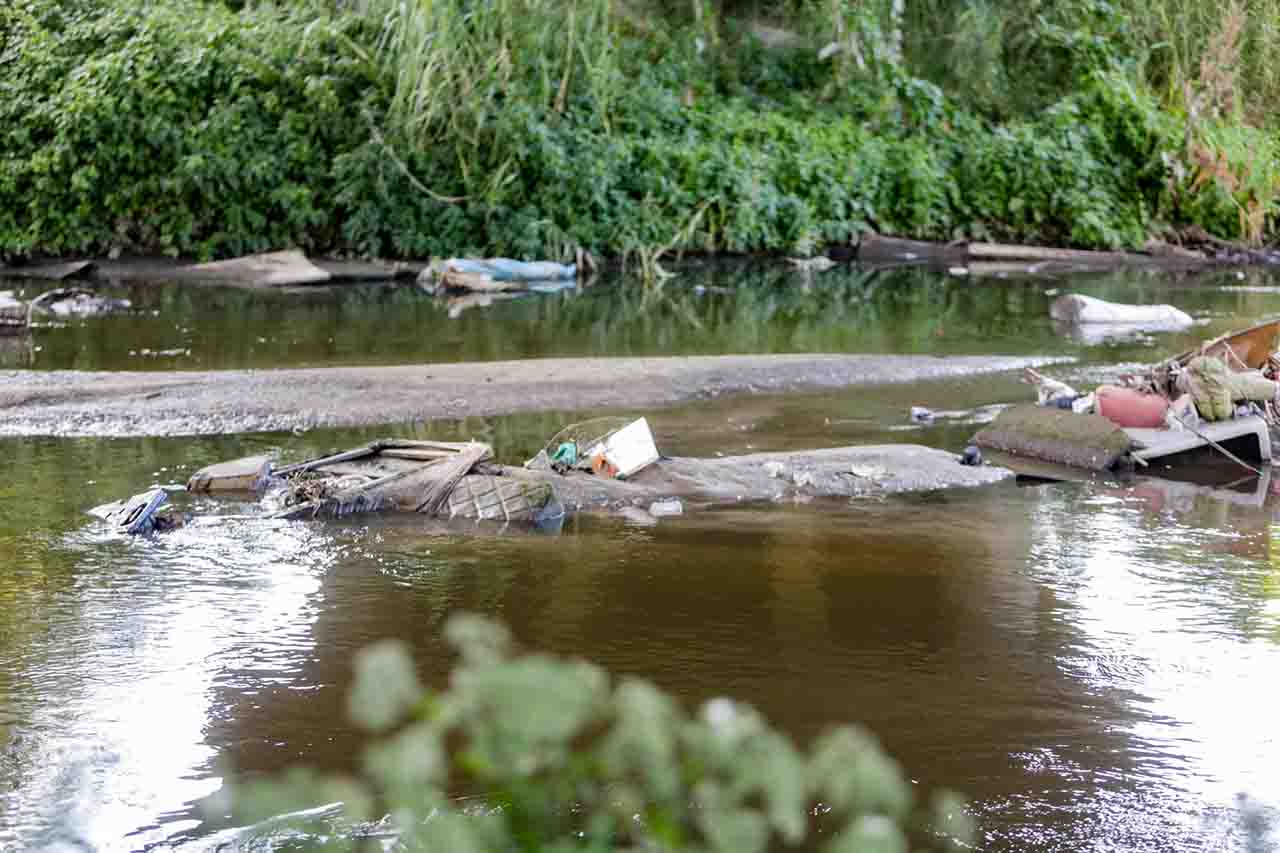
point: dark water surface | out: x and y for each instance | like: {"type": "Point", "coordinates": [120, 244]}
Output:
{"type": "Point", "coordinates": [712, 309]}
{"type": "Point", "coordinates": [1094, 664]}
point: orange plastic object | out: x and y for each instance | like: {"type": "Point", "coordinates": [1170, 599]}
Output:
{"type": "Point", "coordinates": [602, 467]}
{"type": "Point", "coordinates": [1126, 407]}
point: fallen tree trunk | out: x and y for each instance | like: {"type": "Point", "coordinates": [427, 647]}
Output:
{"type": "Point", "coordinates": [876, 249]}
{"type": "Point", "coordinates": [1004, 252]}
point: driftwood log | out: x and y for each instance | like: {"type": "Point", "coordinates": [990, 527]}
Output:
{"type": "Point", "coordinates": [1002, 258]}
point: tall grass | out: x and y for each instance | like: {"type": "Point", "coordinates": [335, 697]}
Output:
{"type": "Point", "coordinates": [456, 62]}
{"type": "Point", "coordinates": [1180, 36]}
{"type": "Point", "coordinates": [1009, 57]}
{"type": "Point", "coordinates": [461, 68]}
{"type": "Point", "coordinates": [1231, 166]}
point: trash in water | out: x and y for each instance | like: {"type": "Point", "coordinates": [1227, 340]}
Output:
{"type": "Point", "coordinates": [602, 467]}
{"type": "Point", "coordinates": [1225, 389]}
{"type": "Point", "coordinates": [493, 274]}
{"type": "Point", "coordinates": [249, 474]}
{"type": "Point", "coordinates": [13, 312]}
{"type": "Point", "coordinates": [971, 456]}
{"type": "Point", "coordinates": [76, 302]}
{"type": "Point", "coordinates": [820, 263]}
{"type": "Point", "coordinates": [669, 507]}
{"type": "Point", "coordinates": [921, 415]}
{"type": "Point", "coordinates": [1077, 309]}
{"type": "Point", "coordinates": [637, 517]}
{"type": "Point", "coordinates": [138, 515]}
{"type": "Point", "coordinates": [1049, 391]}
{"type": "Point", "coordinates": [627, 451]}
{"type": "Point", "coordinates": [565, 457]}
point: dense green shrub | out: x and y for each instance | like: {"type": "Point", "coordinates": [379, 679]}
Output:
{"type": "Point", "coordinates": [197, 130]}
{"type": "Point", "coordinates": [564, 760]}
{"type": "Point", "coordinates": [182, 129]}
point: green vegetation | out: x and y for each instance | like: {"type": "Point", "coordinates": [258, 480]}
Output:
{"type": "Point", "coordinates": [528, 127]}
{"type": "Point", "coordinates": [566, 760]}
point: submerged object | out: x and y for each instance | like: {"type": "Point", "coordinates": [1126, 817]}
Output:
{"type": "Point", "coordinates": [249, 474]}
{"type": "Point", "coordinates": [77, 302]}
{"type": "Point", "coordinates": [13, 312]}
{"type": "Point", "coordinates": [494, 275]}
{"type": "Point", "coordinates": [138, 515]}
{"type": "Point", "coordinates": [1056, 435]}
{"type": "Point", "coordinates": [1076, 308]}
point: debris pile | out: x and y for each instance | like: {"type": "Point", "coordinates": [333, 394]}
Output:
{"type": "Point", "coordinates": [1223, 390]}
{"type": "Point", "coordinates": [13, 312]}
{"type": "Point", "coordinates": [61, 303]}
{"type": "Point", "coordinates": [603, 465]}
{"type": "Point", "coordinates": [605, 447]}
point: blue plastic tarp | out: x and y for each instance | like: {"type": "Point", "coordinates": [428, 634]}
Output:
{"type": "Point", "coordinates": [505, 269]}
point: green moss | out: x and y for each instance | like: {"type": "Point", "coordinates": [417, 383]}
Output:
{"type": "Point", "coordinates": [1056, 435]}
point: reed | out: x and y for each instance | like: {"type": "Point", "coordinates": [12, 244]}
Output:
{"type": "Point", "coordinates": [456, 63]}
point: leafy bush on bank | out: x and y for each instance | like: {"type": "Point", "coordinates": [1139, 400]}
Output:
{"type": "Point", "coordinates": [202, 131]}
{"type": "Point", "coordinates": [174, 128]}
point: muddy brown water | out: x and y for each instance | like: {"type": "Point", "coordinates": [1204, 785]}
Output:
{"type": "Point", "coordinates": [1093, 664]}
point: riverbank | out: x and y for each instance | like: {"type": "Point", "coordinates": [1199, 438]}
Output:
{"type": "Point", "coordinates": [208, 132]}
{"type": "Point", "coordinates": [171, 403]}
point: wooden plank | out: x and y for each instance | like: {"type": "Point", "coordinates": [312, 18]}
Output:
{"type": "Point", "coordinates": [1003, 252]}
{"type": "Point", "coordinates": [237, 475]}
{"type": "Point", "coordinates": [345, 456]}
{"type": "Point", "coordinates": [874, 248]}
{"type": "Point", "coordinates": [450, 473]}
{"type": "Point", "coordinates": [393, 448]}
{"type": "Point", "coordinates": [417, 455]}
{"type": "Point", "coordinates": [1250, 347]}
{"type": "Point", "coordinates": [454, 446]}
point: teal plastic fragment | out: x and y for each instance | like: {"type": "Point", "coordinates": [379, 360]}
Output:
{"type": "Point", "coordinates": [566, 453]}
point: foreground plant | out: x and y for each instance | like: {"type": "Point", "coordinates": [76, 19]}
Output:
{"type": "Point", "coordinates": [564, 759]}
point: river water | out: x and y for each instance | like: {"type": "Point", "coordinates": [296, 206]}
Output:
{"type": "Point", "coordinates": [1092, 664]}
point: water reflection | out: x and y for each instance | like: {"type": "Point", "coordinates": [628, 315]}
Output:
{"type": "Point", "coordinates": [1089, 661]}
{"type": "Point", "coordinates": [1165, 587]}
{"type": "Point", "coordinates": [110, 704]}
{"type": "Point", "coordinates": [709, 309]}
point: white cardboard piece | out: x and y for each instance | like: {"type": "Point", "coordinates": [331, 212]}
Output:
{"type": "Point", "coordinates": [630, 449]}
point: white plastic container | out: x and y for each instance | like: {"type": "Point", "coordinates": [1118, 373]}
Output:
{"type": "Point", "coordinates": [630, 449]}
